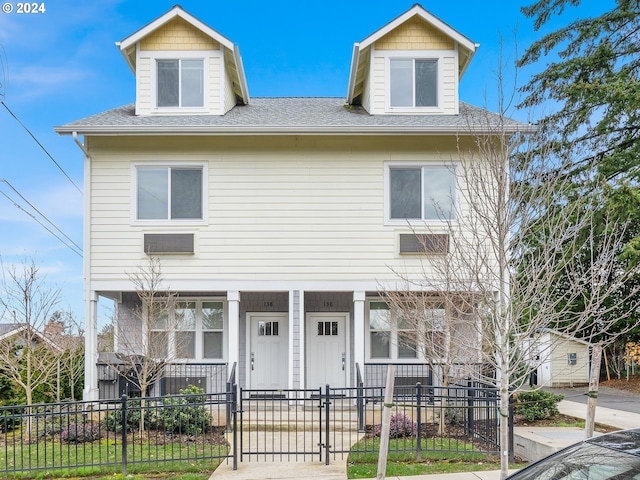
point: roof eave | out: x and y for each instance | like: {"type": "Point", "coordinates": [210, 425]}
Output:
{"type": "Point", "coordinates": [293, 130]}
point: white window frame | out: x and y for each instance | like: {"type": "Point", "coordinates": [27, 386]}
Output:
{"type": "Point", "coordinates": [394, 347]}
{"type": "Point", "coordinates": [438, 57]}
{"type": "Point", "coordinates": [203, 55]}
{"type": "Point", "coordinates": [199, 331]}
{"type": "Point", "coordinates": [135, 221]}
{"type": "Point", "coordinates": [388, 166]}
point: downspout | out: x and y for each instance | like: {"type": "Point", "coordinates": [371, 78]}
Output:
{"type": "Point", "coordinates": [90, 391]}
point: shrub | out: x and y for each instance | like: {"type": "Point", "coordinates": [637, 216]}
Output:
{"type": "Point", "coordinates": [10, 419]}
{"type": "Point", "coordinates": [184, 414]}
{"type": "Point", "coordinates": [536, 404]}
{"type": "Point", "coordinates": [80, 433]}
{"type": "Point", "coordinates": [401, 427]}
{"type": "Point", "coordinates": [113, 420]}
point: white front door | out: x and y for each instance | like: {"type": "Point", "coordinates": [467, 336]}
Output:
{"type": "Point", "coordinates": [327, 357]}
{"type": "Point", "coordinates": [268, 350]}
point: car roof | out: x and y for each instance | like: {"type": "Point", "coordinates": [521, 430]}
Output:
{"type": "Point", "coordinates": [627, 441]}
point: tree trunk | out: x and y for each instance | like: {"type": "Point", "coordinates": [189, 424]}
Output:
{"type": "Point", "coordinates": [386, 422]}
{"type": "Point", "coordinates": [504, 426]}
{"type": "Point", "coordinates": [594, 378]}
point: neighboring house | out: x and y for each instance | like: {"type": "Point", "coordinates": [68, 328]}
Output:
{"type": "Point", "coordinates": [16, 333]}
{"type": "Point", "coordinates": [558, 359]}
{"type": "Point", "coordinates": [277, 220]}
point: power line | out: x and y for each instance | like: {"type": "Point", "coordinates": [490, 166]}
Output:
{"type": "Point", "coordinates": [41, 224]}
{"type": "Point", "coordinates": [41, 214]}
{"type": "Point", "coordinates": [41, 146]}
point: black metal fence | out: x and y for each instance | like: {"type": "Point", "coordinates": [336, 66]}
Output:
{"type": "Point", "coordinates": [125, 435]}
{"type": "Point", "coordinates": [166, 433]}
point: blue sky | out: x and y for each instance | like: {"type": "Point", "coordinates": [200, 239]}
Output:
{"type": "Point", "coordinates": [62, 65]}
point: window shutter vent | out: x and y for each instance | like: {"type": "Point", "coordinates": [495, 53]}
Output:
{"type": "Point", "coordinates": [424, 243]}
{"type": "Point", "coordinates": [165, 243]}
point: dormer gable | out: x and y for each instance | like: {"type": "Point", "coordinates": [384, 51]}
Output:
{"type": "Point", "coordinates": [411, 66]}
{"type": "Point", "coordinates": [183, 66]}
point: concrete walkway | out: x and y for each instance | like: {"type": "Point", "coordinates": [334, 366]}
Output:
{"type": "Point", "coordinates": [264, 469]}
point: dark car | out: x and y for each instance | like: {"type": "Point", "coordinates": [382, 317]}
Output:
{"type": "Point", "coordinates": [613, 456]}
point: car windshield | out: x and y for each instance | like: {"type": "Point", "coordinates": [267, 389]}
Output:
{"type": "Point", "coordinates": [584, 462]}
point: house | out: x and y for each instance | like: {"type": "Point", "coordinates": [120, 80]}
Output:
{"type": "Point", "coordinates": [277, 221]}
{"type": "Point", "coordinates": [558, 359]}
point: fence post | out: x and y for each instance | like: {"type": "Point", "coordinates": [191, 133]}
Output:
{"type": "Point", "coordinates": [234, 396]}
{"type": "Point", "coordinates": [470, 408]}
{"type": "Point", "coordinates": [511, 449]}
{"type": "Point", "coordinates": [419, 421]}
{"type": "Point", "coordinates": [360, 406]}
{"type": "Point", "coordinates": [124, 434]}
{"type": "Point", "coordinates": [327, 436]}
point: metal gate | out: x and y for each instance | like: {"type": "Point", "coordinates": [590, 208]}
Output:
{"type": "Point", "coordinates": [283, 425]}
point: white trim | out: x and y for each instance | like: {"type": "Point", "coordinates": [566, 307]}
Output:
{"type": "Point", "coordinates": [426, 16]}
{"type": "Point", "coordinates": [438, 56]}
{"type": "Point", "coordinates": [204, 55]}
{"type": "Point", "coordinates": [291, 318]}
{"type": "Point", "coordinates": [135, 222]}
{"type": "Point", "coordinates": [388, 221]}
{"type": "Point", "coordinates": [393, 341]}
{"type": "Point", "coordinates": [176, 11]}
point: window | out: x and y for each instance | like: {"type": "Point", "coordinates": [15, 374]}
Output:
{"type": "Point", "coordinates": [422, 193]}
{"type": "Point", "coordinates": [169, 193]}
{"type": "Point", "coordinates": [180, 83]}
{"type": "Point", "coordinates": [190, 330]}
{"type": "Point", "coordinates": [413, 82]}
{"type": "Point", "coordinates": [393, 335]}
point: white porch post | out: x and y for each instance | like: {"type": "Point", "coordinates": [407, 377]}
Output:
{"type": "Point", "coordinates": [359, 330]}
{"type": "Point", "coordinates": [233, 308]}
{"type": "Point", "coordinates": [90, 392]}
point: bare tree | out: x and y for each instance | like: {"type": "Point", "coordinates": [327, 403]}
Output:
{"type": "Point", "coordinates": [63, 330]}
{"type": "Point", "coordinates": [150, 336]}
{"type": "Point", "coordinates": [523, 256]}
{"type": "Point", "coordinates": [27, 356]}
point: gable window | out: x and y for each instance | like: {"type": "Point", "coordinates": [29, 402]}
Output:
{"type": "Point", "coordinates": [180, 83]}
{"type": "Point", "coordinates": [422, 193]}
{"type": "Point", "coordinates": [190, 330]}
{"type": "Point", "coordinates": [413, 82]}
{"type": "Point", "coordinates": [169, 193]}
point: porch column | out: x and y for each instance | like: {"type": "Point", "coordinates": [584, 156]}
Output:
{"type": "Point", "coordinates": [296, 371]}
{"type": "Point", "coordinates": [233, 308]}
{"type": "Point", "coordinates": [359, 330]}
{"type": "Point", "coordinates": [90, 392]}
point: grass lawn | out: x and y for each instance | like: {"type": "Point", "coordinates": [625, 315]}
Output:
{"type": "Point", "coordinates": [102, 459]}
{"type": "Point", "coordinates": [399, 463]}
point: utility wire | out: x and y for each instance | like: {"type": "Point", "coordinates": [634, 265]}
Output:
{"type": "Point", "coordinates": [41, 146]}
{"type": "Point", "coordinates": [43, 225]}
{"type": "Point", "coordinates": [41, 214]}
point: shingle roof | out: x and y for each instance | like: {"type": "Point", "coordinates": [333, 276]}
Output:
{"type": "Point", "coordinates": [304, 115]}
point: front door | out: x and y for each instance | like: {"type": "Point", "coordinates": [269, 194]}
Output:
{"type": "Point", "coordinates": [269, 350]}
{"type": "Point", "coordinates": [327, 359]}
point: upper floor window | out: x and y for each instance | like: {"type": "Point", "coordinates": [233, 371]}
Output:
{"type": "Point", "coordinates": [422, 192]}
{"type": "Point", "coordinates": [180, 83]}
{"type": "Point", "coordinates": [413, 82]}
{"type": "Point", "coordinates": [169, 193]}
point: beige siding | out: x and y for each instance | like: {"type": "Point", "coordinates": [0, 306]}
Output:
{"type": "Point", "coordinates": [563, 374]}
{"type": "Point", "coordinates": [449, 85]}
{"type": "Point", "coordinates": [144, 102]}
{"type": "Point", "coordinates": [305, 208]}
{"type": "Point", "coordinates": [379, 85]}
{"type": "Point", "coordinates": [178, 35]}
{"type": "Point", "coordinates": [415, 34]}
{"type": "Point", "coordinates": [229, 95]}
{"type": "Point", "coordinates": [215, 85]}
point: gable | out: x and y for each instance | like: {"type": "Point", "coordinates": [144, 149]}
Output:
{"type": "Point", "coordinates": [415, 34]}
{"type": "Point", "coordinates": [177, 34]}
